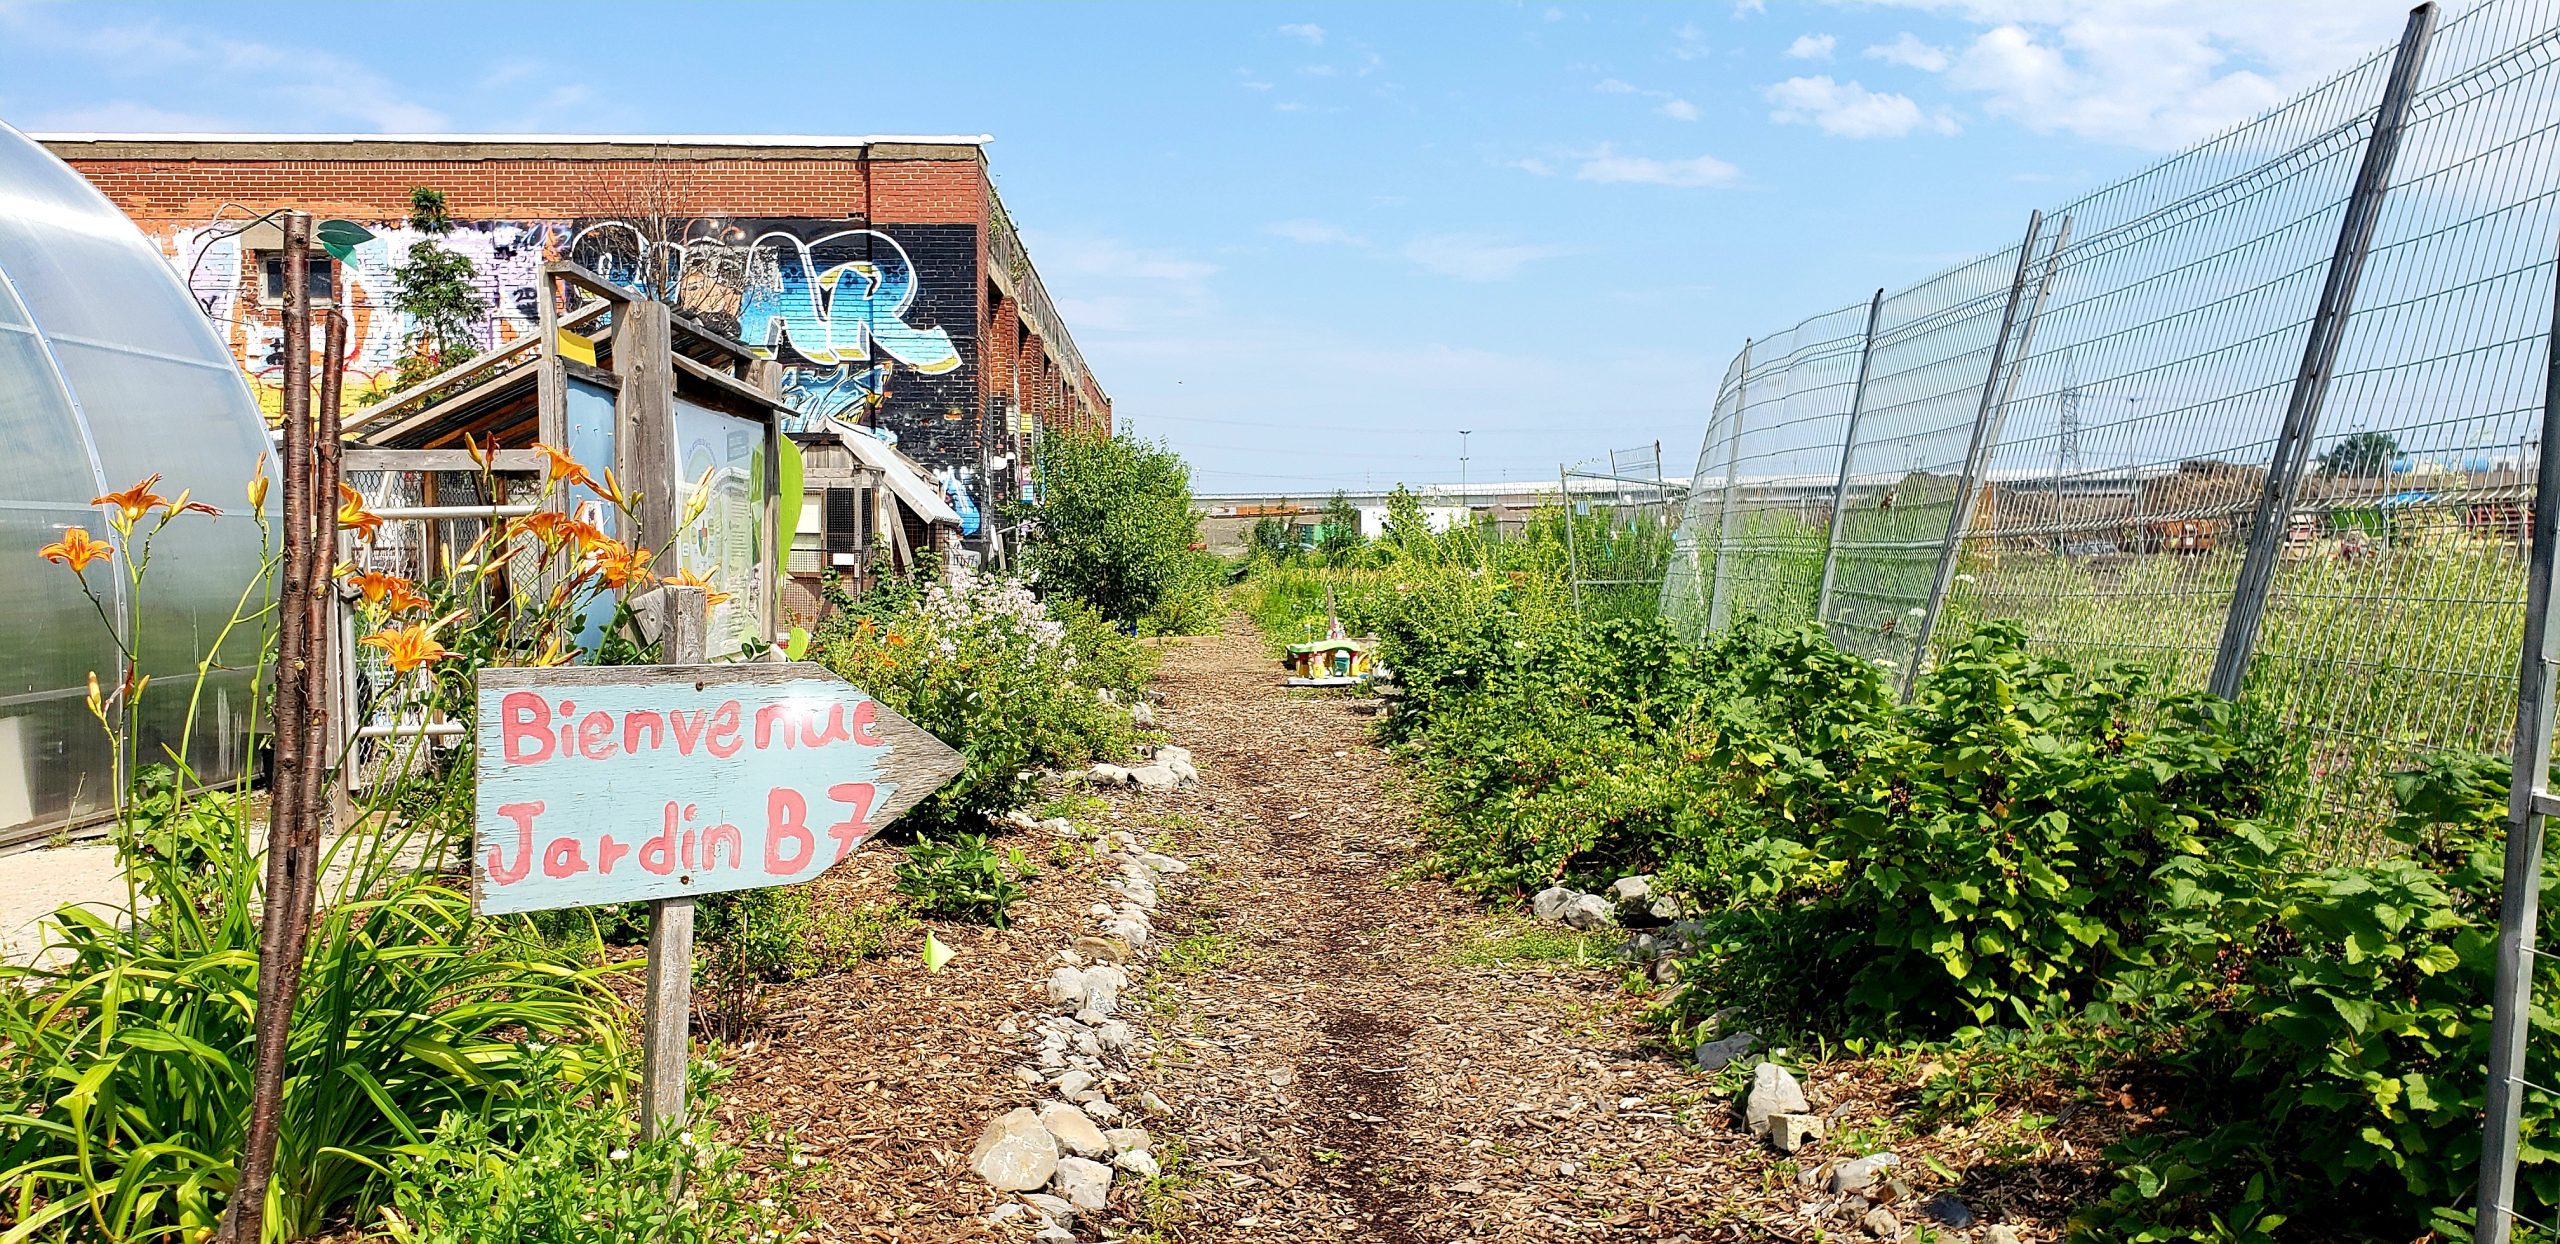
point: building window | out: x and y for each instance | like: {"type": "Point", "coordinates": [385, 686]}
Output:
{"type": "Point", "coordinates": [319, 279]}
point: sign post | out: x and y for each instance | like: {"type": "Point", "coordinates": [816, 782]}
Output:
{"type": "Point", "coordinates": [613, 784]}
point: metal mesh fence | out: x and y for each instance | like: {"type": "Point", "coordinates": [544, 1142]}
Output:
{"type": "Point", "coordinates": [2095, 471]}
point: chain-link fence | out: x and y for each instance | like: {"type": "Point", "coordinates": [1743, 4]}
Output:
{"type": "Point", "coordinates": [2077, 432]}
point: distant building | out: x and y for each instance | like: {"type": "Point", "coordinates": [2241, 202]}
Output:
{"type": "Point", "coordinates": [884, 273]}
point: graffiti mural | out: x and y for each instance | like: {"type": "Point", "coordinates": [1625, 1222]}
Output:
{"type": "Point", "coordinates": [870, 327]}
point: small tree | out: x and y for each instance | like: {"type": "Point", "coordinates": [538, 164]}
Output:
{"type": "Point", "coordinates": [2362, 454]}
{"type": "Point", "coordinates": [1115, 525]}
{"type": "Point", "coordinates": [1341, 541]}
{"type": "Point", "coordinates": [1408, 528]}
{"type": "Point", "coordinates": [1274, 542]}
{"type": "Point", "coordinates": [438, 291]}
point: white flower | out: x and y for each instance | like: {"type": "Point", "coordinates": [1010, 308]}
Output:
{"type": "Point", "coordinates": [620, 1155]}
{"type": "Point", "coordinates": [1918, 612]}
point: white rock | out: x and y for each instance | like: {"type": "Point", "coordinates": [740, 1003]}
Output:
{"type": "Point", "coordinates": [1155, 777]}
{"type": "Point", "coordinates": [1153, 1104]}
{"type": "Point", "coordinates": [1142, 716]}
{"type": "Point", "coordinates": [1084, 1182]}
{"type": "Point", "coordinates": [1074, 1129]}
{"type": "Point", "coordinates": [1774, 1091]}
{"type": "Point", "coordinates": [1102, 1111]}
{"type": "Point", "coordinates": [2001, 1234]}
{"type": "Point", "coordinates": [1130, 931]}
{"type": "Point", "coordinates": [1115, 1035]}
{"type": "Point", "coordinates": [1073, 1082]}
{"type": "Point", "coordinates": [1551, 902]}
{"type": "Point", "coordinates": [1636, 889]}
{"type": "Point", "coordinates": [1109, 775]}
{"type": "Point", "coordinates": [1862, 1174]}
{"type": "Point", "coordinates": [1054, 1234]}
{"type": "Point", "coordinates": [1015, 1153]}
{"type": "Point", "coordinates": [1055, 1207]}
{"type": "Point", "coordinates": [1138, 1162]}
{"type": "Point", "coordinates": [1587, 911]}
{"type": "Point", "coordinates": [1124, 1139]}
{"type": "Point", "coordinates": [1715, 1055]}
{"type": "Point", "coordinates": [1029, 1076]}
{"type": "Point", "coordinates": [1170, 754]}
{"type": "Point", "coordinates": [1066, 986]}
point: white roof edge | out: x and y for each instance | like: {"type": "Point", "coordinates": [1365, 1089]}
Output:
{"type": "Point", "coordinates": [634, 140]}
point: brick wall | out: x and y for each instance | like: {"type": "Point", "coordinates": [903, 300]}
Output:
{"type": "Point", "coordinates": [930, 345]}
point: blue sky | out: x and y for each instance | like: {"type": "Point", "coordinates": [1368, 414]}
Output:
{"type": "Point", "coordinates": [1306, 244]}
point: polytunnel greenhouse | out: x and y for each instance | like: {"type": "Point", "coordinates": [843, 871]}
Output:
{"type": "Point", "coordinates": [108, 374]}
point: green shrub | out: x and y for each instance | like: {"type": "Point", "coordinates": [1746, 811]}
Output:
{"type": "Point", "coordinates": [575, 1171]}
{"type": "Point", "coordinates": [963, 879]}
{"type": "Point", "coordinates": [125, 1049]}
{"type": "Point", "coordinates": [986, 667]}
{"type": "Point", "coordinates": [1114, 528]}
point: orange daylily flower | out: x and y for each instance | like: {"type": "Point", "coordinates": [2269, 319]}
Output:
{"type": "Point", "coordinates": [557, 529]}
{"type": "Point", "coordinates": [553, 653]}
{"type": "Point", "coordinates": [77, 549]}
{"type": "Point", "coordinates": [258, 485]}
{"type": "Point", "coordinates": [565, 469]}
{"type": "Point", "coordinates": [393, 593]}
{"type": "Point", "coordinates": [618, 564]}
{"type": "Point", "coordinates": [353, 515]}
{"type": "Point", "coordinates": [409, 647]}
{"type": "Point", "coordinates": [374, 585]}
{"type": "Point", "coordinates": [711, 595]}
{"type": "Point", "coordinates": [134, 502]}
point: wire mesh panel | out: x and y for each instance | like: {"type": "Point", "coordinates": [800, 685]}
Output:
{"type": "Point", "coordinates": [2127, 440]}
{"type": "Point", "coordinates": [2392, 627]}
{"type": "Point", "coordinates": [1781, 464]}
{"type": "Point", "coordinates": [1688, 581]}
{"type": "Point", "coordinates": [1932, 361]}
{"type": "Point", "coordinates": [2121, 468]}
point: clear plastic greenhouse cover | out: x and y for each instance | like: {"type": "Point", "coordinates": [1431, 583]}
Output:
{"type": "Point", "coordinates": [109, 373]}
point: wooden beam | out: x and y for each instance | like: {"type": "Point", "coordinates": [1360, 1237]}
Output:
{"type": "Point", "coordinates": [441, 408]}
{"type": "Point", "coordinates": [390, 405]}
{"type": "Point", "coordinates": [505, 461]}
{"type": "Point", "coordinates": [586, 278]}
{"type": "Point", "coordinates": [644, 440]}
{"type": "Point", "coordinates": [729, 384]}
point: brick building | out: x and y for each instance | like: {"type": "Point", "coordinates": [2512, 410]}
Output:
{"type": "Point", "coordinates": [882, 272]}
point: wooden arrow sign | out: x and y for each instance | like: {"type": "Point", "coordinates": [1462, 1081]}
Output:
{"type": "Point", "coordinates": [605, 784]}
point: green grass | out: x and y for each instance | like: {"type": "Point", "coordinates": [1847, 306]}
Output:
{"type": "Point", "coordinates": [1507, 944]}
{"type": "Point", "coordinates": [1200, 952]}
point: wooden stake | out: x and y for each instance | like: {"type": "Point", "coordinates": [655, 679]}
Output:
{"type": "Point", "coordinates": [669, 1018]}
{"type": "Point", "coordinates": [286, 917]}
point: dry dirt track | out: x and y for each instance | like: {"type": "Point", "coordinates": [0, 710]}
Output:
{"type": "Point", "coordinates": [1335, 1072]}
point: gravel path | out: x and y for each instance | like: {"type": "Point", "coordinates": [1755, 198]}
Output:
{"type": "Point", "coordinates": [1338, 1072]}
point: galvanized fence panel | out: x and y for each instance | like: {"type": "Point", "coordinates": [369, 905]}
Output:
{"type": "Point", "coordinates": [2276, 425]}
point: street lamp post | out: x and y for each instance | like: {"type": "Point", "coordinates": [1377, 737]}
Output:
{"type": "Point", "coordinates": [1463, 501]}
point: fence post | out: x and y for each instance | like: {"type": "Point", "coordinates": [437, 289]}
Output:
{"type": "Point", "coordinates": [1572, 553]}
{"type": "Point", "coordinates": [1961, 508]}
{"type": "Point", "coordinates": [1848, 447]}
{"type": "Point", "coordinates": [2528, 802]}
{"type": "Point", "coordinates": [2268, 521]}
{"type": "Point", "coordinates": [1716, 605]}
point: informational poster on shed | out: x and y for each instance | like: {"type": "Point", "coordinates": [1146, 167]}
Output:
{"type": "Point", "coordinates": [719, 498]}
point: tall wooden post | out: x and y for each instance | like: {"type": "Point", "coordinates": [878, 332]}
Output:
{"type": "Point", "coordinates": [299, 737]}
{"type": "Point", "coordinates": [669, 1008]}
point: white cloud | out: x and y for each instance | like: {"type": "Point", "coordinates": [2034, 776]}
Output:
{"type": "Point", "coordinates": [1612, 86]}
{"type": "Point", "coordinates": [1909, 49]}
{"type": "Point", "coordinates": [1531, 165]}
{"type": "Point", "coordinates": [1308, 31]}
{"type": "Point", "coordinates": [1315, 233]}
{"type": "Point", "coordinates": [135, 116]}
{"type": "Point", "coordinates": [1689, 42]}
{"type": "Point", "coordinates": [1679, 110]}
{"type": "Point", "coordinates": [2147, 73]}
{"type": "Point", "coordinates": [1812, 47]}
{"type": "Point", "coordinates": [323, 89]}
{"type": "Point", "coordinates": [1604, 164]}
{"type": "Point", "coordinates": [1849, 110]}
{"type": "Point", "coordinates": [1749, 8]}
{"type": "Point", "coordinates": [1477, 256]}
